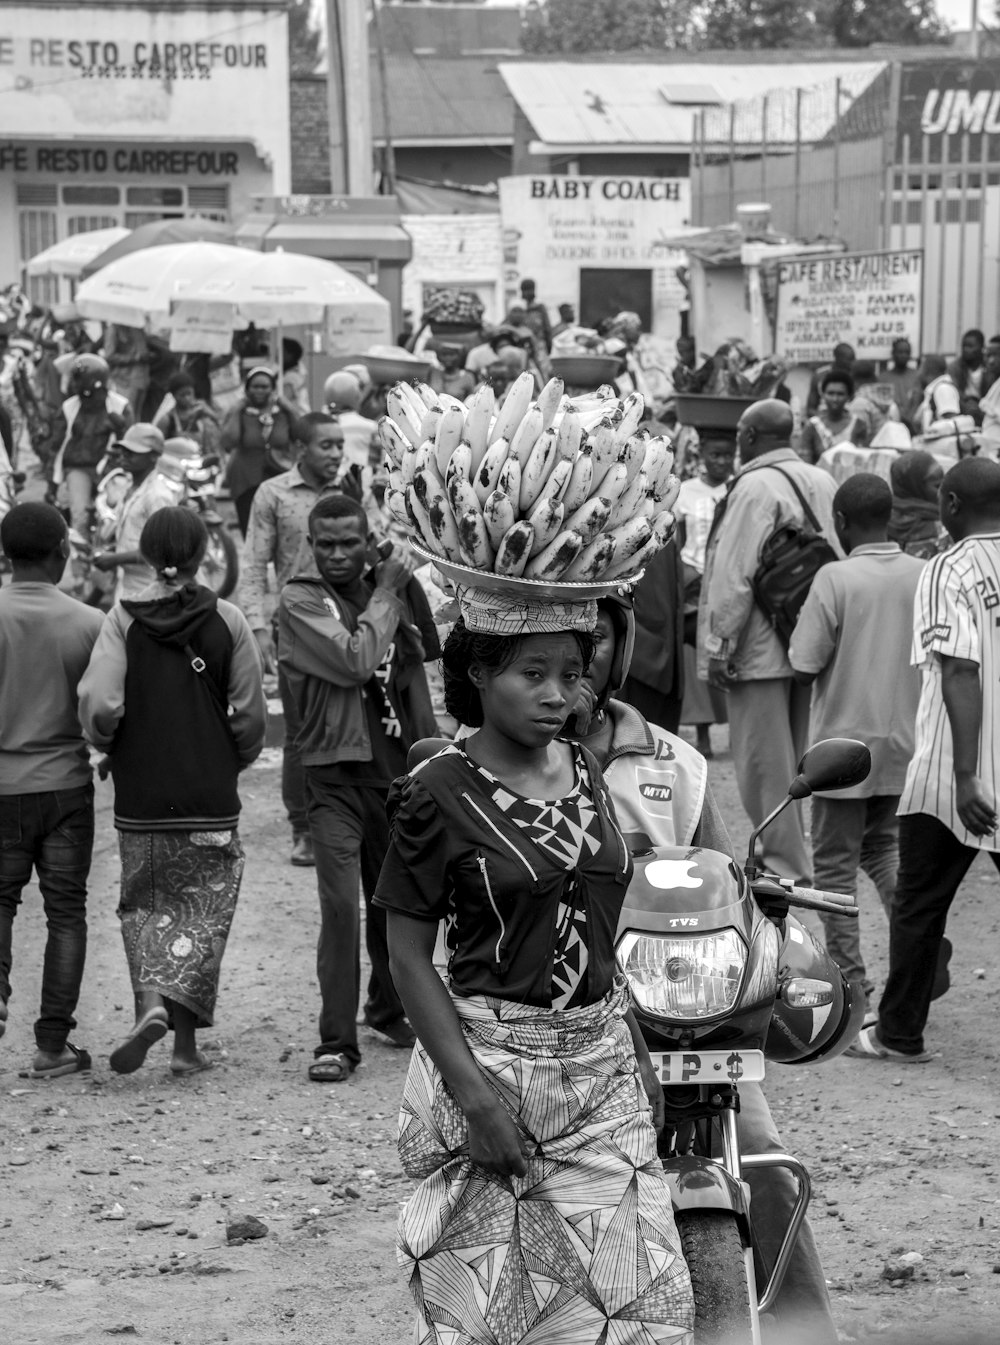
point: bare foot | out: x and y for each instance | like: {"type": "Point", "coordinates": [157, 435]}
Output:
{"type": "Point", "coordinates": [189, 1064]}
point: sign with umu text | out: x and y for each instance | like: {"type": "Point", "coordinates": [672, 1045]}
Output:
{"type": "Point", "coordinates": [951, 103]}
{"type": "Point", "coordinates": [869, 299]}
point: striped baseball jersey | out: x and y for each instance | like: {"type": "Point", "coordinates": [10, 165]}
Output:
{"type": "Point", "coordinates": [956, 613]}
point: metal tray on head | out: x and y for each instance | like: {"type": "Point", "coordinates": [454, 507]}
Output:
{"type": "Point", "coordinates": [525, 588]}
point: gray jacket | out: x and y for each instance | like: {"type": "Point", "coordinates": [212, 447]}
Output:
{"type": "Point", "coordinates": [730, 625]}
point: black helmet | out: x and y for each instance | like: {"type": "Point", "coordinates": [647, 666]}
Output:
{"type": "Point", "coordinates": [618, 606]}
{"type": "Point", "coordinates": [88, 374]}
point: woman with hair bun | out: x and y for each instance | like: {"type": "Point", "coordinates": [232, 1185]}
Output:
{"type": "Point", "coordinates": [173, 694]}
{"type": "Point", "coordinates": [529, 1110]}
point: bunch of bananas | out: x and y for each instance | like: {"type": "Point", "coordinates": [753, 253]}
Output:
{"type": "Point", "coordinates": [548, 489]}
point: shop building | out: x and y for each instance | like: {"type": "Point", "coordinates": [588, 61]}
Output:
{"type": "Point", "coordinates": [118, 114]}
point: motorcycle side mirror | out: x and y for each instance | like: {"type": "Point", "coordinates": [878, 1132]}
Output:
{"type": "Point", "coordinates": [834, 763]}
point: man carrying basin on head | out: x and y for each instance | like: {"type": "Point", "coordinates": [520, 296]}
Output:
{"type": "Point", "coordinates": [629, 749]}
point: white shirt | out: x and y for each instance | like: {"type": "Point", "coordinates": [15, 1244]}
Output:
{"type": "Point", "coordinates": [940, 399]}
{"type": "Point", "coordinates": [989, 404]}
{"type": "Point", "coordinates": [956, 613]}
{"type": "Point", "coordinates": [695, 504]}
{"type": "Point", "coordinates": [142, 501]}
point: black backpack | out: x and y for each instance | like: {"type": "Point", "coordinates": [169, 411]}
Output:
{"type": "Point", "coordinates": [788, 564]}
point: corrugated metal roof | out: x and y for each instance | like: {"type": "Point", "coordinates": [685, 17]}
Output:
{"type": "Point", "coordinates": [433, 98]}
{"type": "Point", "coordinates": [576, 103]}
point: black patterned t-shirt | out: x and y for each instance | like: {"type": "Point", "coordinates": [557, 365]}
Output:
{"type": "Point", "coordinates": [565, 829]}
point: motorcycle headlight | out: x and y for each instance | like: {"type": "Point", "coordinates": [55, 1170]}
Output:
{"type": "Point", "coordinates": [684, 976]}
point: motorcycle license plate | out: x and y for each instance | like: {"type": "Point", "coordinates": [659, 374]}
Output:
{"type": "Point", "coordinates": [708, 1066]}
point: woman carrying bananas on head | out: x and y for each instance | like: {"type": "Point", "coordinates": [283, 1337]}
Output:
{"type": "Point", "coordinates": [529, 1110]}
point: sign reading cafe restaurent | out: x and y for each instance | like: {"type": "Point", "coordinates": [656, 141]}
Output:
{"type": "Point", "coordinates": [868, 299]}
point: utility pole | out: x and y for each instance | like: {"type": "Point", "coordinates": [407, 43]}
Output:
{"type": "Point", "coordinates": [349, 98]}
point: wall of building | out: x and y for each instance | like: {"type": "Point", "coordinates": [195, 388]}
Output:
{"type": "Point", "coordinates": [474, 164]}
{"type": "Point", "coordinates": [459, 250]}
{"type": "Point", "coordinates": [114, 115]}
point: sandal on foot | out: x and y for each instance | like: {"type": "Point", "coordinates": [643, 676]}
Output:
{"type": "Point", "coordinates": [330, 1068]}
{"type": "Point", "coordinates": [80, 1064]}
{"type": "Point", "coordinates": [130, 1055]}
{"type": "Point", "coordinates": [867, 1046]}
{"type": "Point", "coordinates": [197, 1066]}
{"type": "Point", "coordinates": [399, 1033]}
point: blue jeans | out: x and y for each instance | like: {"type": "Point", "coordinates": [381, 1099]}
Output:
{"type": "Point", "coordinates": [350, 835]}
{"type": "Point", "coordinates": [54, 834]}
{"type": "Point", "coordinates": [848, 834]}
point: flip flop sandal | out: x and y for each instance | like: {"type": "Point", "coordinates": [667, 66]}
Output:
{"type": "Point", "coordinates": [199, 1067]}
{"type": "Point", "coordinates": [866, 1046]}
{"type": "Point", "coordinates": [80, 1064]}
{"type": "Point", "coordinates": [330, 1068]}
{"type": "Point", "coordinates": [130, 1055]}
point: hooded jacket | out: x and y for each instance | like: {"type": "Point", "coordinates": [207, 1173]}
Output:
{"type": "Point", "coordinates": [174, 693]}
{"type": "Point", "coordinates": [327, 660]}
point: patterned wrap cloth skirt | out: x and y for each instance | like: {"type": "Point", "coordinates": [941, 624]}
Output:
{"type": "Point", "coordinates": [582, 1250]}
{"type": "Point", "coordinates": [178, 898]}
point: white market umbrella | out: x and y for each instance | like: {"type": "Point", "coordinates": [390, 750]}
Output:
{"type": "Point", "coordinates": [140, 289]}
{"type": "Point", "coordinates": [281, 289]}
{"type": "Point", "coordinates": [72, 254]}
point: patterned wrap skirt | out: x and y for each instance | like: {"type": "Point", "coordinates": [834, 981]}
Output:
{"type": "Point", "coordinates": [178, 898]}
{"type": "Point", "coordinates": [582, 1250]}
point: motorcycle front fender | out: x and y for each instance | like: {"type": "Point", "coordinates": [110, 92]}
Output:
{"type": "Point", "coordinates": [700, 1184]}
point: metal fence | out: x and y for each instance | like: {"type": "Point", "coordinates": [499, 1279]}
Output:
{"type": "Point", "coordinates": [816, 155]}
{"type": "Point", "coordinates": [834, 162]}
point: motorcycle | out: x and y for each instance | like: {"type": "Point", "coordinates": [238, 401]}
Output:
{"type": "Point", "coordinates": [723, 979]}
{"type": "Point", "coordinates": [196, 480]}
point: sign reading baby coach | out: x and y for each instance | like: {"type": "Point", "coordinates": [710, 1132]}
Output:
{"type": "Point", "coordinates": [590, 221]}
{"type": "Point", "coordinates": [868, 299]}
{"type": "Point", "coordinates": [560, 226]}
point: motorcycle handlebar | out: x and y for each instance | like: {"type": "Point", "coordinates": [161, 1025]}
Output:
{"type": "Point", "coordinates": [814, 899]}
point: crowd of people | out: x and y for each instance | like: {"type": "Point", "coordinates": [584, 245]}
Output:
{"type": "Point", "coordinates": [545, 731]}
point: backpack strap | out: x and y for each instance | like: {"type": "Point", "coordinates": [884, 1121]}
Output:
{"type": "Point", "coordinates": [201, 668]}
{"type": "Point", "coordinates": [811, 518]}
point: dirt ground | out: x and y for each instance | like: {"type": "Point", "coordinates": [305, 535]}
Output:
{"type": "Point", "coordinates": [116, 1190]}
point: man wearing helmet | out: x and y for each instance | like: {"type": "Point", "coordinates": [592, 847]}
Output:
{"type": "Point", "coordinates": [634, 755]}
{"type": "Point", "coordinates": [342, 397]}
{"type": "Point", "coordinates": [89, 422]}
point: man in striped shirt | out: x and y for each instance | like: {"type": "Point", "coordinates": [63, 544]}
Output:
{"type": "Point", "coordinates": [948, 809]}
